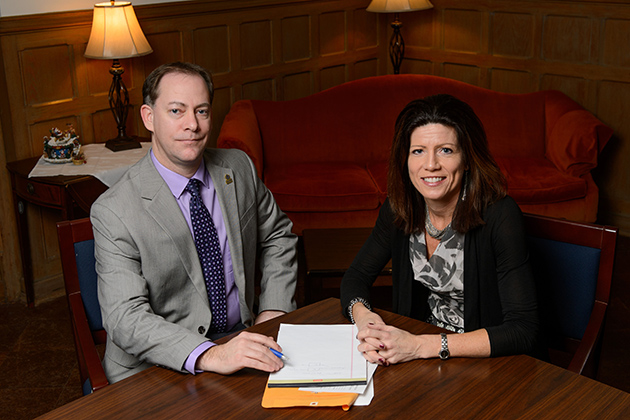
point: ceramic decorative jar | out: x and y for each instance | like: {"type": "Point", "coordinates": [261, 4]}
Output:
{"type": "Point", "coordinates": [61, 147]}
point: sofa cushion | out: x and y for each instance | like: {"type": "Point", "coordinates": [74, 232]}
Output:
{"type": "Point", "coordinates": [322, 187]}
{"type": "Point", "coordinates": [575, 141]}
{"type": "Point", "coordinates": [378, 172]}
{"type": "Point", "coordinates": [538, 181]}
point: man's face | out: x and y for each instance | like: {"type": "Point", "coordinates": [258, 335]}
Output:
{"type": "Point", "coordinates": [180, 122]}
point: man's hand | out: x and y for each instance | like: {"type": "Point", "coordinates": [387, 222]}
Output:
{"type": "Point", "coordinates": [246, 350]}
{"type": "Point", "coordinates": [267, 315]}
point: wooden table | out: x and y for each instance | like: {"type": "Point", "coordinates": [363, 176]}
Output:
{"type": "Point", "coordinates": [72, 195]}
{"type": "Point", "coordinates": [506, 387]}
{"type": "Point", "coordinates": [328, 253]}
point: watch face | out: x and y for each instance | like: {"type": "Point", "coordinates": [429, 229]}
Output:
{"type": "Point", "coordinates": [444, 354]}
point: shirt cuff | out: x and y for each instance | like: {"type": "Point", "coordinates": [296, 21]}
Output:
{"type": "Point", "coordinates": [191, 361]}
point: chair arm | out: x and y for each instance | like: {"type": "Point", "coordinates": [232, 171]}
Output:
{"type": "Point", "coordinates": [240, 130]}
{"type": "Point", "coordinates": [86, 343]}
{"type": "Point", "coordinates": [590, 338]}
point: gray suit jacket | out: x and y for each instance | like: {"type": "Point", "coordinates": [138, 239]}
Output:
{"type": "Point", "coordinates": [150, 283]}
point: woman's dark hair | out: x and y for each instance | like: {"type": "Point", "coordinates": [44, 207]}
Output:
{"type": "Point", "coordinates": [483, 183]}
{"type": "Point", "coordinates": [150, 88]}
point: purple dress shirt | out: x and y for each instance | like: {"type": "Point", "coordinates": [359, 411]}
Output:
{"type": "Point", "coordinates": [177, 183]}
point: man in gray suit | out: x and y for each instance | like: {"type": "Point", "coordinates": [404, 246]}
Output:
{"type": "Point", "coordinates": [151, 286]}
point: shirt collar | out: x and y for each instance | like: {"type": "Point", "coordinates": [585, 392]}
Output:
{"type": "Point", "coordinates": [176, 182]}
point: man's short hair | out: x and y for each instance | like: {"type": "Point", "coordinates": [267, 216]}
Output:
{"type": "Point", "coordinates": [150, 88]}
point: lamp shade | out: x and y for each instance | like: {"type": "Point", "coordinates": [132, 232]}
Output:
{"type": "Point", "coordinates": [397, 6]}
{"type": "Point", "coordinates": [116, 32]}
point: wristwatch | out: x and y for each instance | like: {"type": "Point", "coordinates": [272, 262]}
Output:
{"type": "Point", "coordinates": [444, 353]}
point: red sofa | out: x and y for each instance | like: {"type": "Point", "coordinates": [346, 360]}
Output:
{"type": "Point", "coordinates": [324, 156]}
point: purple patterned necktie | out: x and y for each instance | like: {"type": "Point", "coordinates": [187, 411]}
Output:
{"type": "Point", "coordinates": [210, 256]}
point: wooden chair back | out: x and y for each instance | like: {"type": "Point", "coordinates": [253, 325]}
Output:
{"type": "Point", "coordinates": [76, 247]}
{"type": "Point", "coordinates": [573, 266]}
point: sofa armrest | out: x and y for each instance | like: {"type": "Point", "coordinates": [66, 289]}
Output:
{"type": "Point", "coordinates": [240, 130]}
{"type": "Point", "coordinates": [576, 140]}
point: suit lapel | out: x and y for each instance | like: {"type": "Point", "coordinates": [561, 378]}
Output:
{"type": "Point", "coordinates": [163, 208]}
{"type": "Point", "coordinates": [225, 187]}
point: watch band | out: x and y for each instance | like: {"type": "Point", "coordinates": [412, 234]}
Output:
{"type": "Point", "coordinates": [444, 352]}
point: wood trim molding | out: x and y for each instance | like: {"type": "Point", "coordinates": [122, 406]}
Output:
{"type": "Point", "coordinates": [47, 21]}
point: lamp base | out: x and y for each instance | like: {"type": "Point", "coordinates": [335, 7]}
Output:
{"type": "Point", "coordinates": [122, 143]}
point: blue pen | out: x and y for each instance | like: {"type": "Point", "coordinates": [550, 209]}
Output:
{"type": "Point", "coordinates": [277, 353]}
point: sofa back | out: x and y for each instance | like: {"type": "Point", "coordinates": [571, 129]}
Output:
{"type": "Point", "coordinates": [355, 121]}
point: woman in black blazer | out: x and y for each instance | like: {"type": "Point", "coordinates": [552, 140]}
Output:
{"type": "Point", "coordinates": [456, 241]}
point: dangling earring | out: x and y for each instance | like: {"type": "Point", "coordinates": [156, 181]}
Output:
{"type": "Point", "coordinates": [465, 185]}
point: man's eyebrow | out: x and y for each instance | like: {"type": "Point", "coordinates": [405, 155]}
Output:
{"type": "Point", "coordinates": [178, 103]}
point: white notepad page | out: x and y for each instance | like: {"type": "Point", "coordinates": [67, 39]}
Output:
{"type": "Point", "coordinates": [319, 355]}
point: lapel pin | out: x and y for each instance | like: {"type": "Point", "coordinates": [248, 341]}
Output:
{"type": "Point", "coordinates": [228, 180]}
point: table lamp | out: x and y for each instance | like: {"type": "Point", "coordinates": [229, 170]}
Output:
{"type": "Point", "coordinates": [116, 34]}
{"type": "Point", "coordinates": [397, 44]}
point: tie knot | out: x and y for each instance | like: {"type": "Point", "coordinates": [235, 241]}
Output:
{"type": "Point", "coordinates": [193, 187]}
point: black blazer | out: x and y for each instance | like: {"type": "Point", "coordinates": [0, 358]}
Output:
{"type": "Point", "coordinates": [499, 288]}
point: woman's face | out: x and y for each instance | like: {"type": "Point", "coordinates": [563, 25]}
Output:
{"type": "Point", "coordinates": [436, 165]}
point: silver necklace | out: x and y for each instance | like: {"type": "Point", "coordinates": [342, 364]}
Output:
{"type": "Point", "coordinates": [432, 230]}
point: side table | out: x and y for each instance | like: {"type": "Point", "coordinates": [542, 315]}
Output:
{"type": "Point", "coordinates": [72, 195]}
{"type": "Point", "coordinates": [328, 253]}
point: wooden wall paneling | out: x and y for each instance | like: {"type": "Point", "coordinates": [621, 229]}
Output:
{"type": "Point", "coordinates": [212, 48]}
{"type": "Point", "coordinates": [365, 30]}
{"type": "Point", "coordinates": [256, 44]}
{"type": "Point", "coordinates": [7, 74]}
{"type": "Point", "coordinates": [260, 89]}
{"type": "Point", "coordinates": [17, 144]}
{"type": "Point", "coordinates": [512, 35]}
{"type": "Point", "coordinates": [47, 273]}
{"type": "Point", "coordinates": [416, 66]}
{"type": "Point", "coordinates": [382, 37]}
{"type": "Point", "coordinates": [368, 41]}
{"type": "Point", "coordinates": [296, 38]}
{"type": "Point", "coordinates": [50, 86]}
{"type": "Point", "coordinates": [297, 85]}
{"type": "Point", "coordinates": [223, 100]}
{"type": "Point", "coordinates": [366, 68]}
{"type": "Point", "coordinates": [418, 28]}
{"type": "Point", "coordinates": [47, 73]}
{"type": "Point", "coordinates": [463, 30]}
{"type": "Point", "coordinates": [616, 39]}
{"type": "Point", "coordinates": [332, 76]}
{"type": "Point", "coordinates": [97, 83]}
{"type": "Point", "coordinates": [567, 38]}
{"type": "Point", "coordinates": [10, 278]}
{"type": "Point", "coordinates": [332, 33]}
{"type": "Point", "coordinates": [575, 87]}
{"type": "Point", "coordinates": [167, 48]}
{"type": "Point", "coordinates": [511, 81]}
{"type": "Point", "coordinates": [463, 73]}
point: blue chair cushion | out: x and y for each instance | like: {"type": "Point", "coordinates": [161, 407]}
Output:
{"type": "Point", "coordinates": [566, 276]}
{"type": "Point", "coordinates": [87, 387]}
{"type": "Point", "coordinates": [86, 268]}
